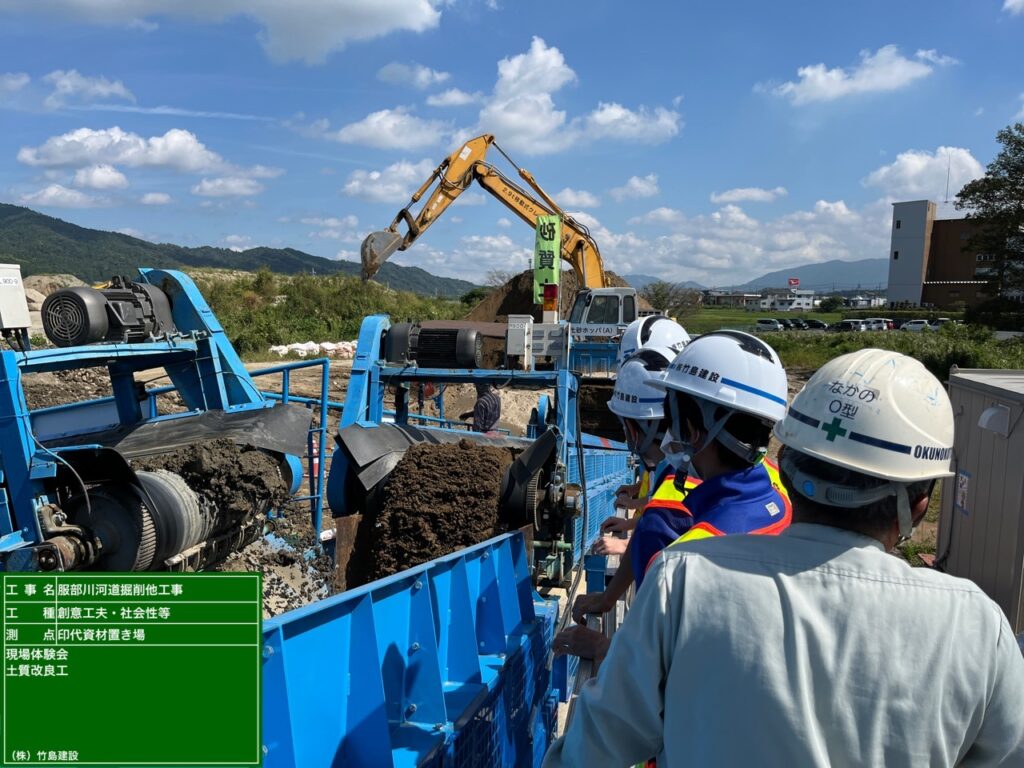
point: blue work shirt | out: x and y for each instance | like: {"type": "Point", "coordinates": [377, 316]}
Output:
{"type": "Point", "coordinates": [746, 501]}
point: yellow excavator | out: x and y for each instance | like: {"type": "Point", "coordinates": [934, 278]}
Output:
{"type": "Point", "coordinates": [454, 176]}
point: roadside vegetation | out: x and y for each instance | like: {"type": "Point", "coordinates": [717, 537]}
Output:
{"type": "Point", "coordinates": [263, 309]}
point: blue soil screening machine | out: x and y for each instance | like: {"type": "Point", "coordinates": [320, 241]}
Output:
{"type": "Point", "coordinates": [71, 498]}
{"type": "Point", "coordinates": [449, 662]}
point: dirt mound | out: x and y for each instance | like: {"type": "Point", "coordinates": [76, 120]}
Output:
{"type": "Point", "coordinates": [516, 297]}
{"type": "Point", "coordinates": [43, 390]}
{"type": "Point", "coordinates": [235, 479]}
{"type": "Point", "coordinates": [439, 499]}
{"type": "Point", "coordinates": [47, 284]}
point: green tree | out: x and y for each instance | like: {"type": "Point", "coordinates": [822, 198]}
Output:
{"type": "Point", "coordinates": [995, 202]}
{"type": "Point", "coordinates": [831, 304]}
{"type": "Point", "coordinates": [672, 298]}
{"type": "Point", "coordinates": [475, 296]}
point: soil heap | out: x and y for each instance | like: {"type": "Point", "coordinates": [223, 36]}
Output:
{"type": "Point", "coordinates": [516, 297]}
{"type": "Point", "coordinates": [438, 499]}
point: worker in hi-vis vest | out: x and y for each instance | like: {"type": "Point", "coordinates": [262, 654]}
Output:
{"type": "Point", "coordinates": [724, 392]}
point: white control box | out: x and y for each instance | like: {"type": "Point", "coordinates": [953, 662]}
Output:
{"type": "Point", "coordinates": [13, 305]}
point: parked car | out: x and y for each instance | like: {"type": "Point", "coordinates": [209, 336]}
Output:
{"type": "Point", "coordinates": [875, 324]}
{"type": "Point", "coordinates": [939, 323]}
{"type": "Point", "coordinates": [915, 326]}
{"type": "Point", "coordinates": [787, 325]}
{"type": "Point", "coordinates": [849, 326]}
{"type": "Point", "coordinates": [815, 325]}
{"type": "Point", "coordinates": [799, 324]}
{"type": "Point", "coordinates": [767, 324]}
{"type": "Point", "coordinates": [889, 324]}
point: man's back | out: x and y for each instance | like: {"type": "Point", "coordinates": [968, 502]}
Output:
{"type": "Point", "coordinates": [812, 648]}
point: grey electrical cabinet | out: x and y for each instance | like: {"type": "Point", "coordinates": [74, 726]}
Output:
{"type": "Point", "coordinates": [981, 524]}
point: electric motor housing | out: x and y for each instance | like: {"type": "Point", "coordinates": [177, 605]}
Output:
{"type": "Point", "coordinates": [434, 347]}
{"type": "Point", "coordinates": [127, 311]}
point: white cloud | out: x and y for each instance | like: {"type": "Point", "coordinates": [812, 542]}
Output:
{"type": "Point", "coordinates": [884, 70]}
{"type": "Point", "coordinates": [72, 86]}
{"type": "Point", "coordinates": [346, 255]}
{"type": "Point", "coordinates": [392, 129]}
{"type": "Point", "coordinates": [919, 174]}
{"type": "Point", "coordinates": [309, 30]}
{"type": "Point", "coordinates": [637, 187]}
{"type": "Point", "coordinates": [238, 243]}
{"type": "Point", "coordinates": [453, 97]}
{"type": "Point", "coordinates": [504, 223]}
{"type": "Point", "coordinates": [748, 194]}
{"type": "Point", "coordinates": [660, 215]}
{"type": "Point", "coordinates": [59, 196]}
{"type": "Point", "coordinates": [227, 186]}
{"type": "Point", "coordinates": [522, 112]}
{"type": "Point", "coordinates": [394, 184]}
{"type": "Point", "coordinates": [132, 232]}
{"type": "Point", "coordinates": [100, 177]}
{"type": "Point", "coordinates": [577, 198]}
{"type": "Point", "coordinates": [614, 121]}
{"type": "Point", "coordinates": [155, 198]}
{"type": "Point", "coordinates": [11, 82]}
{"type": "Point", "coordinates": [334, 228]}
{"type": "Point", "coordinates": [415, 75]}
{"type": "Point", "coordinates": [1020, 115]}
{"type": "Point", "coordinates": [1014, 7]}
{"type": "Point", "coordinates": [473, 257]}
{"type": "Point", "coordinates": [177, 149]}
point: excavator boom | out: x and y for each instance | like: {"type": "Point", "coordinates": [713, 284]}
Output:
{"type": "Point", "coordinates": [453, 176]}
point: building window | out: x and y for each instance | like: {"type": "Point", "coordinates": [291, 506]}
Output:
{"type": "Point", "coordinates": [895, 255]}
{"type": "Point", "coordinates": [897, 223]}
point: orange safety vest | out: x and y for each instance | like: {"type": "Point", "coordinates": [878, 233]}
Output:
{"type": "Point", "coordinates": [706, 530]}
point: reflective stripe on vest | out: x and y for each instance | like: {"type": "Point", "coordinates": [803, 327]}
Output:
{"type": "Point", "coordinates": [670, 497]}
{"type": "Point", "coordinates": [645, 485]}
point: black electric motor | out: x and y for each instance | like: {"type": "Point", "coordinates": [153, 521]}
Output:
{"type": "Point", "coordinates": [434, 347]}
{"type": "Point", "coordinates": [127, 311]}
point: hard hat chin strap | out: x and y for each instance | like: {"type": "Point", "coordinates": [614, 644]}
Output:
{"type": "Point", "coordinates": [836, 495]}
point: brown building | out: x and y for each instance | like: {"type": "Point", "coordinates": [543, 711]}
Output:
{"type": "Point", "coordinates": [927, 261]}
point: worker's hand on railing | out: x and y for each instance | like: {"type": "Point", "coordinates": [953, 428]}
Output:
{"type": "Point", "coordinates": [629, 490]}
{"type": "Point", "coordinates": [609, 545]}
{"type": "Point", "coordinates": [617, 525]}
{"type": "Point", "coordinates": [581, 641]}
{"type": "Point", "coordinates": [595, 602]}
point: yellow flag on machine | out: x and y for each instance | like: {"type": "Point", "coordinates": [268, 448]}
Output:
{"type": "Point", "coordinates": [547, 255]}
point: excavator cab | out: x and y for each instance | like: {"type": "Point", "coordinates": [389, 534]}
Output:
{"type": "Point", "coordinates": [602, 312]}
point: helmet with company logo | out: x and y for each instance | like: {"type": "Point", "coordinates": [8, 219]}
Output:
{"type": "Point", "coordinates": [655, 331]}
{"type": "Point", "coordinates": [728, 372]}
{"type": "Point", "coordinates": [634, 398]}
{"type": "Point", "coordinates": [875, 412]}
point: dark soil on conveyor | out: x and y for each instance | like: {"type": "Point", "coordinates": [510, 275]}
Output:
{"type": "Point", "coordinates": [439, 499]}
{"type": "Point", "coordinates": [237, 479]}
{"type": "Point", "coordinates": [516, 297]}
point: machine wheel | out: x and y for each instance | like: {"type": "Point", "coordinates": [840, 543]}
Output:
{"type": "Point", "coordinates": [121, 522]}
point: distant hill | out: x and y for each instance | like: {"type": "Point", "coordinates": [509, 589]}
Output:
{"type": "Point", "coordinates": [45, 245]}
{"type": "Point", "coordinates": [642, 281]}
{"type": "Point", "coordinates": [827, 276]}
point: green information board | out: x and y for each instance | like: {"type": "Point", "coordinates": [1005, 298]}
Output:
{"type": "Point", "coordinates": [547, 255]}
{"type": "Point", "coordinates": [131, 669]}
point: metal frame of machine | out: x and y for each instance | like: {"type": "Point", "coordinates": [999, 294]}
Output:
{"type": "Point", "coordinates": [54, 458]}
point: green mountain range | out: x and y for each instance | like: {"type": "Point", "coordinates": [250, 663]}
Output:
{"type": "Point", "coordinates": [45, 245]}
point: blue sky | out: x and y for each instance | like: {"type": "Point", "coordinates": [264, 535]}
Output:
{"type": "Point", "coordinates": [711, 142]}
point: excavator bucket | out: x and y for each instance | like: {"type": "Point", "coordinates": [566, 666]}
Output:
{"type": "Point", "coordinates": [375, 250]}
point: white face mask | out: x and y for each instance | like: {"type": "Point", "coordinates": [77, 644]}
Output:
{"type": "Point", "coordinates": [677, 452]}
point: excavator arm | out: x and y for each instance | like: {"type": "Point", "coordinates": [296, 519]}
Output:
{"type": "Point", "coordinates": [453, 176]}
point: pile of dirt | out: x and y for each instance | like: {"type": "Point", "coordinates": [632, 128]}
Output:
{"type": "Point", "coordinates": [294, 574]}
{"type": "Point", "coordinates": [43, 390]}
{"type": "Point", "coordinates": [47, 284]}
{"type": "Point", "coordinates": [236, 479]}
{"type": "Point", "coordinates": [516, 297]}
{"type": "Point", "coordinates": [439, 499]}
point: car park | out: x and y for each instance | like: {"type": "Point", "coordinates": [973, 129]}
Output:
{"type": "Point", "coordinates": [915, 326]}
{"type": "Point", "coordinates": [767, 324]}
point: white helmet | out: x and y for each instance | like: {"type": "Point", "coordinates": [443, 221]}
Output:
{"type": "Point", "coordinates": [878, 413]}
{"type": "Point", "coordinates": [652, 331]}
{"type": "Point", "coordinates": [733, 370]}
{"type": "Point", "coordinates": [634, 397]}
